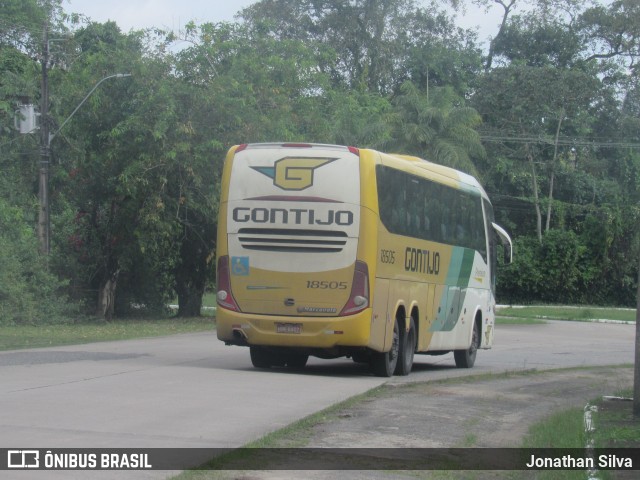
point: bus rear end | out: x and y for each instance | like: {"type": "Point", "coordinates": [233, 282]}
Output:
{"type": "Point", "coordinates": [288, 277]}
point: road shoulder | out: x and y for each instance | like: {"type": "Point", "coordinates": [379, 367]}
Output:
{"type": "Point", "coordinates": [487, 410]}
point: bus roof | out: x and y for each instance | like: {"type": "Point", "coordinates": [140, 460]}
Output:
{"type": "Point", "coordinates": [435, 170]}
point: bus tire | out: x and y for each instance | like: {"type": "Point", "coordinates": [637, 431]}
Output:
{"type": "Point", "coordinates": [296, 360]}
{"type": "Point", "coordinates": [467, 358]}
{"type": "Point", "coordinates": [407, 350]}
{"type": "Point", "coordinates": [383, 364]}
{"type": "Point", "coordinates": [361, 357]}
{"type": "Point", "coordinates": [260, 357]}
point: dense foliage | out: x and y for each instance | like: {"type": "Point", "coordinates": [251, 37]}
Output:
{"type": "Point", "coordinates": [547, 115]}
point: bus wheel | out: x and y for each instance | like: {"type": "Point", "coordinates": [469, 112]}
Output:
{"type": "Point", "coordinates": [466, 358]}
{"type": "Point", "coordinates": [260, 357]}
{"type": "Point", "coordinates": [361, 357]}
{"type": "Point", "coordinates": [383, 364]}
{"type": "Point", "coordinates": [407, 350]}
{"type": "Point", "coordinates": [296, 360]}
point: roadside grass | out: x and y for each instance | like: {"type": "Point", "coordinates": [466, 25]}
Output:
{"type": "Point", "coordinates": [15, 337]}
{"type": "Point", "coordinates": [615, 424]}
{"type": "Point", "coordinates": [564, 429]}
{"type": "Point", "coordinates": [93, 330]}
{"type": "Point", "coordinates": [208, 300]}
{"type": "Point", "coordinates": [615, 427]}
{"type": "Point", "coordinates": [586, 313]}
{"type": "Point", "coordinates": [30, 336]}
{"type": "Point", "coordinates": [500, 320]}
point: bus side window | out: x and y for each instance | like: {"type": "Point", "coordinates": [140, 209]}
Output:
{"type": "Point", "coordinates": [426, 219]}
{"type": "Point", "coordinates": [386, 200]}
{"type": "Point", "coordinates": [414, 204]}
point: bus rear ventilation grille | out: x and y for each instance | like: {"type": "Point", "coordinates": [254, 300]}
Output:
{"type": "Point", "coordinates": [292, 240]}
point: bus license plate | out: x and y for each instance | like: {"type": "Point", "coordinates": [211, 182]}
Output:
{"type": "Point", "coordinates": [288, 327]}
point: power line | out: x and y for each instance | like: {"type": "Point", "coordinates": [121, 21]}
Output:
{"type": "Point", "coordinates": [564, 141]}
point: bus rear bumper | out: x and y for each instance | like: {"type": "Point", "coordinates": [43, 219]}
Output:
{"type": "Point", "coordinates": [299, 332]}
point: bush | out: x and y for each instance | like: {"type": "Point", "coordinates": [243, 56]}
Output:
{"type": "Point", "coordinates": [548, 272]}
{"type": "Point", "coordinates": [29, 293]}
{"type": "Point", "coordinates": [569, 268]}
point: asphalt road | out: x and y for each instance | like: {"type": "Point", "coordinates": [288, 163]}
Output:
{"type": "Point", "coordinates": [192, 391]}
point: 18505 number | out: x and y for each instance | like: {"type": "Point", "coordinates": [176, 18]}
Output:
{"type": "Point", "coordinates": [326, 285]}
{"type": "Point", "coordinates": [388, 256]}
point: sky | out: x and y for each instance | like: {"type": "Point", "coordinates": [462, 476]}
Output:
{"type": "Point", "coordinates": [174, 14]}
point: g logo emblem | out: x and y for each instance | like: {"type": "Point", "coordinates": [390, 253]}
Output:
{"type": "Point", "coordinates": [294, 173]}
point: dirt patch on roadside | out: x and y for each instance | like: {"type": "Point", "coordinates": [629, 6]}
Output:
{"type": "Point", "coordinates": [486, 411]}
{"type": "Point", "coordinates": [493, 412]}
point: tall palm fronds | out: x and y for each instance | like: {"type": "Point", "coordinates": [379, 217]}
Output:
{"type": "Point", "coordinates": [436, 127]}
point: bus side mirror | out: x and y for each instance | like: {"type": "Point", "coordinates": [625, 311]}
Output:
{"type": "Point", "coordinates": [506, 242]}
{"type": "Point", "coordinates": [504, 251]}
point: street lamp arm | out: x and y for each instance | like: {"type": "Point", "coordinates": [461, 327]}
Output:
{"type": "Point", "coordinates": [117, 75]}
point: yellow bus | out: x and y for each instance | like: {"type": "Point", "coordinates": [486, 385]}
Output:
{"type": "Point", "coordinates": [334, 251]}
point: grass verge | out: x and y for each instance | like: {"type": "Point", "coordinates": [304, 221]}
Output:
{"type": "Point", "coordinates": [616, 427]}
{"type": "Point", "coordinates": [500, 320]}
{"type": "Point", "coordinates": [29, 336]}
{"type": "Point", "coordinates": [567, 313]}
{"type": "Point", "coordinates": [564, 429]}
{"type": "Point", "coordinates": [25, 336]}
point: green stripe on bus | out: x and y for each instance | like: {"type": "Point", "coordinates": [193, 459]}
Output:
{"type": "Point", "coordinates": [460, 267]}
{"type": "Point", "coordinates": [454, 266]}
{"type": "Point", "coordinates": [465, 268]}
{"type": "Point", "coordinates": [453, 297]}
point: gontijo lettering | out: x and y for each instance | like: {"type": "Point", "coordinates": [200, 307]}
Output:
{"type": "Point", "coordinates": [296, 216]}
{"type": "Point", "coordinates": [421, 261]}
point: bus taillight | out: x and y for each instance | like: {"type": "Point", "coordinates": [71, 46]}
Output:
{"type": "Point", "coordinates": [359, 298]}
{"type": "Point", "coordinates": [225, 296]}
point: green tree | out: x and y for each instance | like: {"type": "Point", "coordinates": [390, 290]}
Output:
{"type": "Point", "coordinates": [613, 31]}
{"type": "Point", "coordinates": [114, 176]}
{"type": "Point", "coordinates": [529, 105]}
{"type": "Point", "coordinates": [438, 127]}
{"type": "Point", "coordinates": [366, 43]}
{"type": "Point", "coordinates": [351, 117]}
{"type": "Point", "coordinates": [29, 292]}
{"type": "Point", "coordinates": [539, 42]}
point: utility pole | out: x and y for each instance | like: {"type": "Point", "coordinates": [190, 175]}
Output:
{"type": "Point", "coordinates": [44, 217]}
{"type": "Point", "coordinates": [44, 220]}
{"type": "Point", "coordinates": [636, 380]}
